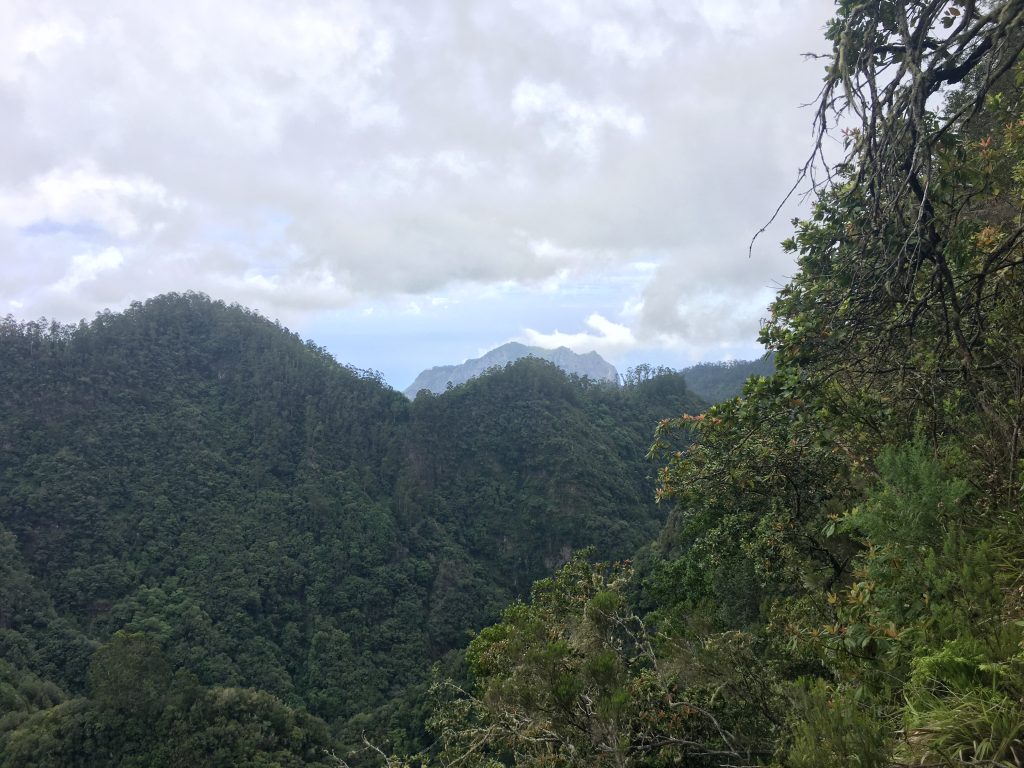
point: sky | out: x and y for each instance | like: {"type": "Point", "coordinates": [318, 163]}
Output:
{"type": "Point", "coordinates": [412, 183]}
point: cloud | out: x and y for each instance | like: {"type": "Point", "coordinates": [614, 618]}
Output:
{"type": "Point", "coordinates": [307, 156]}
{"type": "Point", "coordinates": [88, 266]}
{"type": "Point", "coordinates": [83, 195]}
{"type": "Point", "coordinates": [571, 124]}
{"type": "Point", "coordinates": [615, 40]}
{"type": "Point", "coordinates": [606, 337]}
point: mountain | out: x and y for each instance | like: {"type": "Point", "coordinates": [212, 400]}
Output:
{"type": "Point", "coordinates": [437, 379]}
{"type": "Point", "coordinates": [189, 489]}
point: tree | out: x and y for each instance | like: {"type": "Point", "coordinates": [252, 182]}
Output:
{"type": "Point", "coordinates": [130, 675]}
{"type": "Point", "coordinates": [910, 266]}
{"type": "Point", "coordinates": [573, 678]}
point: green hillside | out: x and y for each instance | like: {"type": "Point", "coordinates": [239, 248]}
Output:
{"type": "Point", "coordinates": [189, 473]}
{"type": "Point", "coordinates": [716, 382]}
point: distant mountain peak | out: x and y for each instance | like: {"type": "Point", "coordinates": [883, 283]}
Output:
{"type": "Point", "coordinates": [436, 379]}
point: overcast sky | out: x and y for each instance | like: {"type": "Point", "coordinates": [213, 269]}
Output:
{"type": "Point", "coordinates": [410, 183]}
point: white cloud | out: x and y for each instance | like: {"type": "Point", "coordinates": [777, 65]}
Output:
{"type": "Point", "coordinates": [616, 41]}
{"type": "Point", "coordinates": [36, 41]}
{"type": "Point", "coordinates": [86, 267]}
{"type": "Point", "coordinates": [732, 16]}
{"type": "Point", "coordinates": [606, 337]}
{"type": "Point", "coordinates": [82, 194]}
{"type": "Point", "coordinates": [288, 295]}
{"type": "Point", "coordinates": [569, 123]}
{"type": "Point", "coordinates": [632, 307]}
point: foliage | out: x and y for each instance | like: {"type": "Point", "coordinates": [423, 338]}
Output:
{"type": "Point", "coordinates": [223, 727]}
{"type": "Point", "coordinates": [130, 675]}
{"type": "Point", "coordinates": [573, 678]}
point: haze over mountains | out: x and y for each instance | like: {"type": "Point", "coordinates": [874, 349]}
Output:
{"type": "Point", "coordinates": [711, 381]}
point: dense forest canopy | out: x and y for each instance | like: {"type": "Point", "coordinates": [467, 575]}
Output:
{"type": "Point", "coordinates": [220, 547]}
{"type": "Point", "coordinates": [191, 476]}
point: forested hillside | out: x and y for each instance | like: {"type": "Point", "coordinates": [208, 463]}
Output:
{"type": "Point", "coordinates": [716, 382]}
{"type": "Point", "coordinates": [188, 489]}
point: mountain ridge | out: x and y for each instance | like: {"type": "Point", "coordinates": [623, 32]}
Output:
{"type": "Point", "coordinates": [437, 378]}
